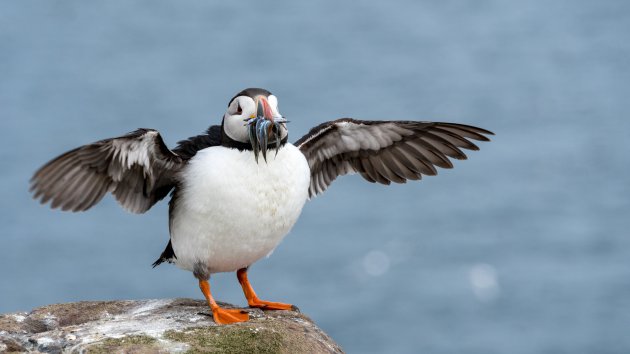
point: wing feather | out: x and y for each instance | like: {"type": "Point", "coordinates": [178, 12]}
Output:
{"type": "Point", "coordinates": [137, 168]}
{"type": "Point", "coordinates": [384, 151]}
{"type": "Point", "coordinates": [431, 154]}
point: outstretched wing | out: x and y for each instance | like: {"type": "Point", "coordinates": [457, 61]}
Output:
{"type": "Point", "coordinates": [137, 168]}
{"type": "Point", "coordinates": [383, 151]}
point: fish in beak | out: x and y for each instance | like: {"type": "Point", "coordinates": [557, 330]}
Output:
{"type": "Point", "coordinates": [263, 126]}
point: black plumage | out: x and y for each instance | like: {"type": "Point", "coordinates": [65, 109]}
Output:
{"type": "Point", "coordinates": [251, 92]}
{"type": "Point", "coordinates": [189, 147]}
{"type": "Point", "coordinates": [168, 255]}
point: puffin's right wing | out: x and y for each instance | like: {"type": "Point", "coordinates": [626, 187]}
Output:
{"type": "Point", "coordinates": [137, 168]}
{"type": "Point", "coordinates": [383, 151]}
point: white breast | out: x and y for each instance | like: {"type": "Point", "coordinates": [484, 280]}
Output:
{"type": "Point", "coordinates": [232, 211]}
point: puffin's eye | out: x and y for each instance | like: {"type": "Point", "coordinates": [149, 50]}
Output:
{"type": "Point", "coordinates": [239, 110]}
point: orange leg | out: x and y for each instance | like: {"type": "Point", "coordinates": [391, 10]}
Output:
{"type": "Point", "coordinates": [251, 297]}
{"type": "Point", "coordinates": [221, 315]}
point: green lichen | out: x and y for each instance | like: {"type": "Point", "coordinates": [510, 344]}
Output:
{"type": "Point", "coordinates": [229, 339]}
{"type": "Point", "coordinates": [130, 344]}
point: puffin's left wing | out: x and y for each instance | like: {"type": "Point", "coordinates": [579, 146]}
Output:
{"type": "Point", "coordinates": [383, 151]}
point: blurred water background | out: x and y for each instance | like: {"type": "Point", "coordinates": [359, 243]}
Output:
{"type": "Point", "coordinates": [523, 248]}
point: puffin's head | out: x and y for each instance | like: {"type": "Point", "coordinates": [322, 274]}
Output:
{"type": "Point", "coordinates": [252, 117]}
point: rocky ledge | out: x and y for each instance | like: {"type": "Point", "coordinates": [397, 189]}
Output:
{"type": "Point", "coordinates": [157, 326]}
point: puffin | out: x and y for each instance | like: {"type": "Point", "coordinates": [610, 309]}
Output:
{"type": "Point", "coordinates": [237, 189]}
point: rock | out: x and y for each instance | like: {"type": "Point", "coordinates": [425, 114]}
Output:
{"type": "Point", "coordinates": [157, 326]}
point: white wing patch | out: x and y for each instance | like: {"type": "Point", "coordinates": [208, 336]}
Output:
{"type": "Point", "coordinates": [131, 153]}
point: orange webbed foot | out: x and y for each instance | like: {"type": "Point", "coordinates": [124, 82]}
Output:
{"type": "Point", "coordinates": [252, 298]}
{"type": "Point", "coordinates": [269, 305]}
{"type": "Point", "coordinates": [221, 315]}
{"type": "Point", "coordinates": [229, 316]}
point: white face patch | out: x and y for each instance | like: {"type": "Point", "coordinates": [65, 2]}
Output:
{"type": "Point", "coordinates": [234, 121]}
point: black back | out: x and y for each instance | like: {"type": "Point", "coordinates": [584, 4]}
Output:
{"type": "Point", "coordinates": [189, 147]}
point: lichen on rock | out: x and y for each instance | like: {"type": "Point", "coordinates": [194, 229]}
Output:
{"type": "Point", "coordinates": [157, 326]}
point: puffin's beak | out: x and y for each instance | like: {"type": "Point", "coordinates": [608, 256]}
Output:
{"type": "Point", "coordinates": [263, 109]}
{"type": "Point", "coordinates": [262, 127]}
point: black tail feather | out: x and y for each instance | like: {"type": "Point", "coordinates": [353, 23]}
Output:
{"type": "Point", "coordinates": [167, 256]}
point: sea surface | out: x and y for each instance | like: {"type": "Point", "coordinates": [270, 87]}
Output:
{"type": "Point", "coordinates": [524, 248]}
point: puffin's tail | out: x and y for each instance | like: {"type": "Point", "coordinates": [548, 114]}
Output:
{"type": "Point", "coordinates": [167, 256]}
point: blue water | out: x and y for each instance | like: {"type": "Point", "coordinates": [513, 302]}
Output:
{"type": "Point", "coordinates": [522, 249]}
